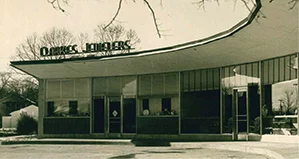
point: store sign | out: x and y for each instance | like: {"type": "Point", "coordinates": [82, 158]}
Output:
{"type": "Point", "coordinates": [89, 48]}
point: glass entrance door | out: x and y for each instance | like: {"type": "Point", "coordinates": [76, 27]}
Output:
{"type": "Point", "coordinates": [114, 107]}
{"type": "Point", "coordinates": [98, 115]}
{"type": "Point", "coordinates": [240, 114]}
{"type": "Point", "coordinates": [129, 115]}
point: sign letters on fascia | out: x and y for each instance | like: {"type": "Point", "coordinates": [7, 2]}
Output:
{"type": "Point", "coordinates": [89, 48]}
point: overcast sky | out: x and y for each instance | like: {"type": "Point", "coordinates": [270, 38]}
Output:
{"type": "Point", "coordinates": [181, 20]}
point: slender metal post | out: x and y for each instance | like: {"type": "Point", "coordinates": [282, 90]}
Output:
{"type": "Point", "coordinates": [247, 113]}
{"type": "Point", "coordinates": [180, 96]}
{"type": "Point", "coordinates": [221, 104]}
{"type": "Point", "coordinates": [234, 133]}
{"type": "Point", "coordinates": [121, 114]}
{"type": "Point", "coordinates": [261, 94]}
{"type": "Point", "coordinates": [91, 106]}
{"type": "Point", "coordinates": [297, 93]}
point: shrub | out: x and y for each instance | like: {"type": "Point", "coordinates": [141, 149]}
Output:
{"type": "Point", "coordinates": [26, 124]}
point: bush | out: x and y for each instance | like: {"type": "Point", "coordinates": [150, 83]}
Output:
{"type": "Point", "coordinates": [26, 124]}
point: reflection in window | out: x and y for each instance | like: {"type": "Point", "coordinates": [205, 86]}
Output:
{"type": "Point", "coordinates": [160, 106]}
{"type": "Point", "coordinates": [129, 85]}
{"type": "Point", "coordinates": [200, 111]}
{"type": "Point", "coordinates": [68, 97]}
{"type": "Point", "coordinates": [73, 106]}
{"type": "Point", "coordinates": [166, 106]}
{"type": "Point", "coordinates": [50, 108]}
{"type": "Point", "coordinates": [145, 104]}
{"type": "Point", "coordinates": [246, 77]}
{"type": "Point", "coordinates": [63, 108]}
{"type": "Point", "coordinates": [279, 95]}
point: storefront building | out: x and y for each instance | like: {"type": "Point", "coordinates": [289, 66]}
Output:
{"type": "Point", "coordinates": [219, 88]}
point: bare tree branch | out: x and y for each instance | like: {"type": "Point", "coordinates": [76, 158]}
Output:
{"type": "Point", "coordinates": [116, 14]}
{"type": "Point", "coordinates": [161, 3]}
{"type": "Point", "coordinates": [56, 4]}
{"type": "Point", "coordinates": [201, 3]}
{"type": "Point", "coordinates": [154, 17]}
{"type": "Point", "coordinates": [294, 3]}
{"type": "Point", "coordinates": [246, 5]}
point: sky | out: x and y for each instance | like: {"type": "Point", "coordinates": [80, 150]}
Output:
{"type": "Point", "coordinates": [180, 20]}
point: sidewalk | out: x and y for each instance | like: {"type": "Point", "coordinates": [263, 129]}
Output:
{"type": "Point", "coordinates": [271, 146]}
{"type": "Point", "coordinates": [271, 149]}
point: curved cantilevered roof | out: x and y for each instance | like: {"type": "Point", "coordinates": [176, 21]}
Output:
{"type": "Point", "coordinates": [253, 39]}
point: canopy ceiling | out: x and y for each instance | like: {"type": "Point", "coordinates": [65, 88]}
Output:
{"type": "Point", "coordinates": [253, 39]}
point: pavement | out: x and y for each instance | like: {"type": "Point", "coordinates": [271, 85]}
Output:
{"type": "Point", "coordinates": [272, 146]}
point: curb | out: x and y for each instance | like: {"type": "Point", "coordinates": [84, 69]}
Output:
{"type": "Point", "coordinates": [246, 149]}
{"type": "Point", "coordinates": [65, 141]}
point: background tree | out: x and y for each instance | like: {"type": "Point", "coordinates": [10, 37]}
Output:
{"type": "Point", "coordinates": [4, 85]}
{"type": "Point", "coordinates": [115, 33]}
{"type": "Point", "coordinates": [18, 86]}
{"type": "Point", "coordinates": [25, 87]}
{"type": "Point", "coordinates": [289, 101]}
{"type": "Point", "coordinates": [57, 37]}
{"type": "Point", "coordinates": [30, 48]}
{"type": "Point", "coordinates": [82, 39]}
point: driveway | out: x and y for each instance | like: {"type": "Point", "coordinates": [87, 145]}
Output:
{"type": "Point", "coordinates": [32, 151]}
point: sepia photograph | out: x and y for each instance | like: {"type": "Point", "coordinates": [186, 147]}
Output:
{"type": "Point", "coordinates": [126, 79]}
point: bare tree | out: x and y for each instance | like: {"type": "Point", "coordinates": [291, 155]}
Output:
{"type": "Point", "coordinates": [16, 85]}
{"type": "Point", "coordinates": [4, 79]}
{"type": "Point", "coordinates": [82, 39]}
{"type": "Point", "coordinates": [57, 37]}
{"type": "Point", "coordinates": [30, 48]}
{"type": "Point", "coordinates": [289, 101]}
{"type": "Point", "coordinates": [57, 42]}
{"type": "Point", "coordinates": [115, 33]}
{"type": "Point", "coordinates": [25, 87]}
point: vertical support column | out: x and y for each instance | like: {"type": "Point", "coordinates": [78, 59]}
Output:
{"type": "Point", "coordinates": [234, 127]}
{"type": "Point", "coordinates": [247, 112]}
{"type": "Point", "coordinates": [106, 118]}
{"type": "Point", "coordinates": [138, 103]}
{"type": "Point", "coordinates": [41, 106]}
{"type": "Point", "coordinates": [179, 91]}
{"type": "Point", "coordinates": [221, 103]}
{"type": "Point", "coordinates": [121, 114]}
{"type": "Point", "coordinates": [236, 112]}
{"type": "Point", "coordinates": [261, 94]}
{"type": "Point", "coordinates": [91, 106]}
{"type": "Point", "coordinates": [297, 93]}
